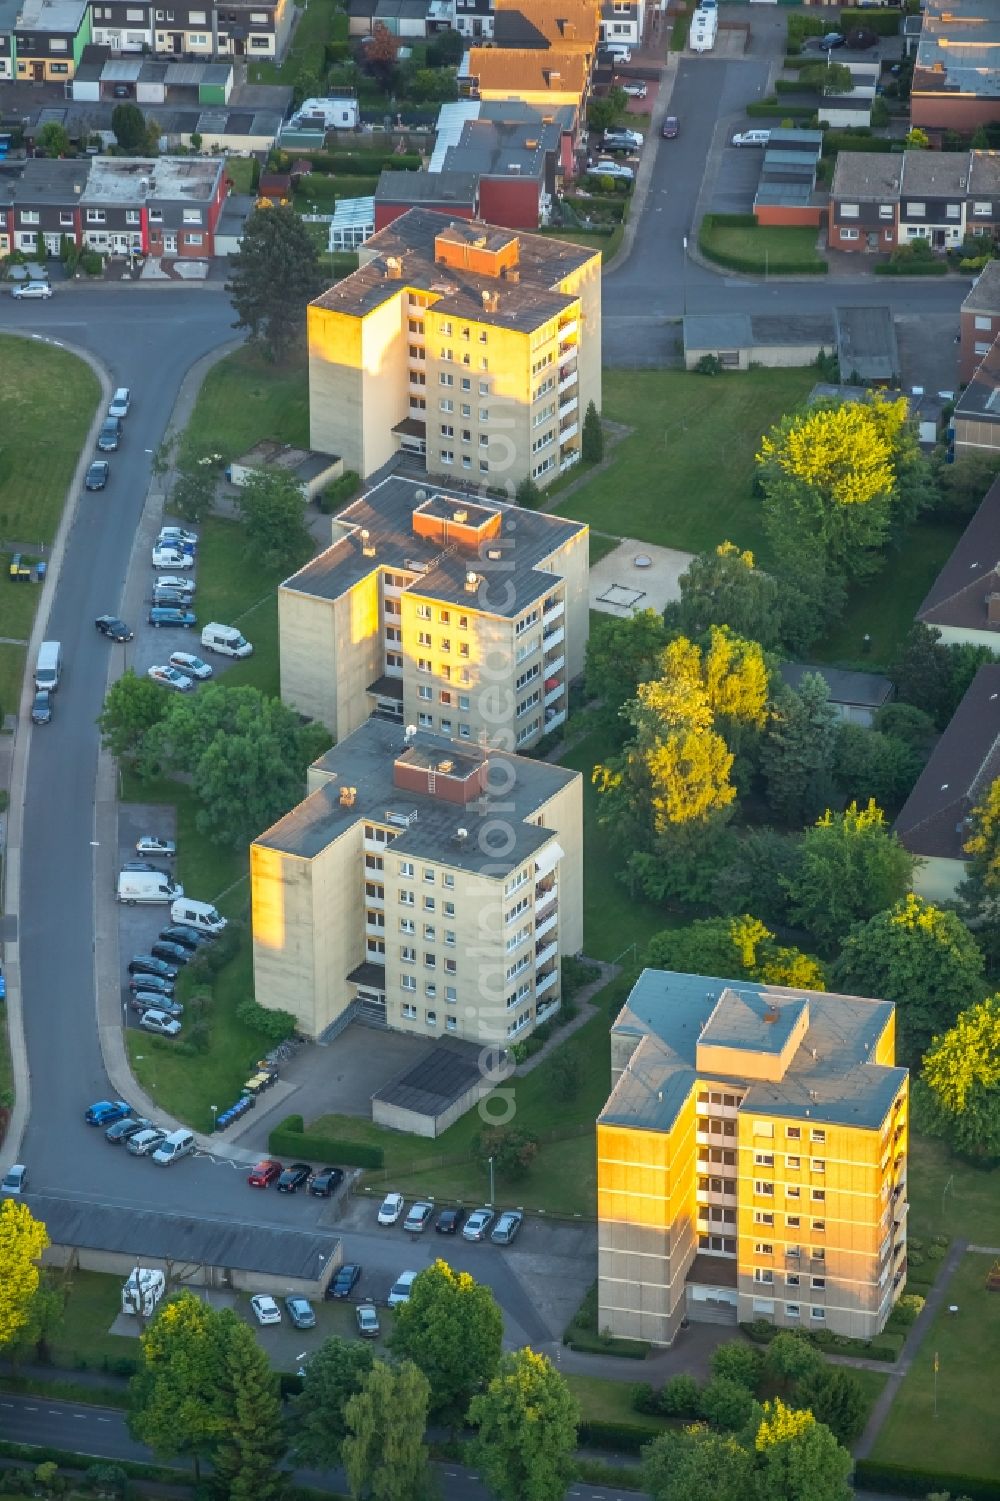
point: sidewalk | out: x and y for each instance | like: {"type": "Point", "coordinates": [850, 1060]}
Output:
{"type": "Point", "coordinates": [582, 999]}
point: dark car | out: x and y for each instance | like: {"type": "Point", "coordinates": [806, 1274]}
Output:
{"type": "Point", "coordinates": [345, 1281]}
{"type": "Point", "coordinates": [671, 128]}
{"type": "Point", "coordinates": [449, 1221]}
{"type": "Point", "coordinates": [831, 40]}
{"type": "Point", "coordinates": [41, 707]}
{"type": "Point", "coordinates": [154, 1000]}
{"type": "Point", "coordinates": [146, 964]}
{"type": "Point", "coordinates": [110, 434]}
{"type": "Point", "coordinates": [326, 1182]}
{"type": "Point", "coordinates": [169, 615]}
{"type": "Point", "coordinates": [173, 953]}
{"type": "Point", "coordinates": [293, 1177]}
{"type": "Point", "coordinates": [113, 628]}
{"type": "Point", "coordinates": [105, 1112]}
{"type": "Point", "coordinates": [170, 599]}
{"type": "Point", "coordinates": [152, 983]}
{"type": "Point", "coordinates": [97, 475]}
{"type": "Point", "coordinates": [123, 1129]}
{"type": "Point", "coordinates": [264, 1173]}
{"type": "Point", "coordinates": [187, 938]}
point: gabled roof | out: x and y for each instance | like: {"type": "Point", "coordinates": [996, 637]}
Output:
{"type": "Point", "coordinates": [933, 820]}
{"type": "Point", "coordinates": [528, 70]}
{"type": "Point", "coordinates": [867, 175]}
{"type": "Point", "coordinates": [980, 401]}
{"type": "Point", "coordinates": [985, 294]}
{"type": "Point", "coordinates": [959, 594]}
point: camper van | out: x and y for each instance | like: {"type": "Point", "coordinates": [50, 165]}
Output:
{"type": "Point", "coordinates": [143, 1290]}
{"type": "Point", "coordinates": [147, 886]}
{"type": "Point", "coordinates": [200, 915]}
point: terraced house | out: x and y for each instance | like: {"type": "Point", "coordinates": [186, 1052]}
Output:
{"type": "Point", "coordinates": [881, 199]}
{"type": "Point", "coordinates": [48, 40]}
{"type": "Point", "coordinates": [751, 1160]}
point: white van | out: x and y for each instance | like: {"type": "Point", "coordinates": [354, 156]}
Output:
{"type": "Point", "coordinates": [226, 640]}
{"type": "Point", "coordinates": [619, 52]}
{"type": "Point", "coordinates": [201, 915]}
{"type": "Point", "coordinates": [175, 1146]}
{"type": "Point", "coordinates": [49, 666]}
{"type": "Point", "coordinates": [120, 402]}
{"type": "Point", "coordinates": [147, 886]}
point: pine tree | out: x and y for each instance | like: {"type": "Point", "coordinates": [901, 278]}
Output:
{"type": "Point", "coordinates": [592, 441]}
{"type": "Point", "coordinates": [797, 751]}
{"type": "Point", "coordinates": [248, 1456]}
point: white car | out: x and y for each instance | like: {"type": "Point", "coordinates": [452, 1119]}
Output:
{"type": "Point", "coordinates": [193, 666]}
{"type": "Point", "coordinates": [634, 90]}
{"type": "Point", "coordinates": [32, 289]}
{"type": "Point", "coordinates": [169, 677]}
{"type": "Point", "coordinates": [171, 581]}
{"type": "Point", "coordinates": [390, 1210]}
{"type": "Point", "coordinates": [152, 844]}
{"type": "Point", "coordinates": [400, 1290]}
{"type": "Point", "coordinates": [418, 1218]}
{"type": "Point", "coordinates": [608, 168]}
{"type": "Point", "coordinates": [171, 557]}
{"type": "Point", "coordinates": [265, 1309]}
{"type": "Point", "coordinates": [160, 1023]}
{"type": "Point", "coordinates": [16, 1179]}
{"type": "Point", "coordinates": [176, 536]}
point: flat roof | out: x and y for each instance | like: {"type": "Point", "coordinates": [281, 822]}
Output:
{"type": "Point", "coordinates": [52, 15]}
{"type": "Point", "coordinates": [957, 50]}
{"type": "Point", "coordinates": [527, 539]}
{"type": "Point", "coordinates": [303, 463]}
{"type": "Point", "coordinates": [829, 1079]}
{"type": "Point", "coordinates": [130, 179]}
{"type": "Point", "coordinates": [436, 1081]}
{"type": "Point", "coordinates": [425, 825]}
{"type": "Point", "coordinates": [524, 304]}
{"type": "Point", "coordinates": [218, 1241]}
{"type": "Point", "coordinates": [869, 690]}
{"type": "Point", "coordinates": [866, 343]}
{"type": "Point", "coordinates": [962, 765]}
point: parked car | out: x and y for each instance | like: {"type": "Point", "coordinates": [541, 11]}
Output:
{"type": "Point", "coordinates": [449, 1221]}
{"type": "Point", "coordinates": [106, 1112]}
{"type": "Point", "coordinates": [41, 707]}
{"type": "Point", "coordinates": [173, 953]}
{"type": "Point", "coordinates": [169, 677]}
{"type": "Point", "coordinates": [169, 615]}
{"type": "Point", "coordinates": [506, 1227]}
{"type": "Point", "coordinates": [144, 1142]}
{"type": "Point", "coordinates": [265, 1173]}
{"type": "Point", "coordinates": [193, 666]}
{"type": "Point", "coordinates": [152, 984]}
{"type": "Point", "coordinates": [15, 1179]}
{"type": "Point", "coordinates": [400, 1290]}
{"type": "Point", "coordinates": [171, 557]}
{"type": "Point", "coordinates": [633, 88]}
{"type": "Point", "coordinates": [752, 138]}
{"type": "Point", "coordinates": [154, 1000]}
{"type": "Point", "coordinates": [418, 1218]}
{"type": "Point", "coordinates": [390, 1210]}
{"type": "Point", "coordinates": [152, 844]}
{"type": "Point", "coordinates": [169, 599]}
{"type": "Point", "coordinates": [148, 964]}
{"type": "Point", "coordinates": [266, 1310]}
{"type": "Point", "coordinates": [326, 1182]}
{"type": "Point", "coordinates": [622, 138]}
{"type": "Point", "coordinates": [671, 128]}
{"type": "Point", "coordinates": [300, 1311]}
{"type": "Point", "coordinates": [180, 581]}
{"type": "Point", "coordinates": [368, 1324]}
{"type": "Point", "coordinates": [616, 170]}
{"type": "Point", "coordinates": [160, 1023]}
{"type": "Point", "coordinates": [139, 866]}
{"type": "Point", "coordinates": [97, 475]}
{"type": "Point", "coordinates": [345, 1280]}
{"type": "Point", "coordinates": [31, 289]}
{"type": "Point", "coordinates": [292, 1178]}
{"type": "Point", "coordinates": [477, 1224]}
{"type": "Point", "coordinates": [120, 402]}
{"type": "Point", "coordinates": [113, 628]}
{"type": "Point", "coordinates": [130, 1125]}
{"type": "Point", "coordinates": [177, 536]}
{"type": "Point", "coordinates": [832, 40]}
{"type": "Point", "coordinates": [110, 436]}
{"type": "Point", "coordinates": [188, 938]}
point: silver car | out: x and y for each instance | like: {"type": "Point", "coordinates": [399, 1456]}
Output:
{"type": "Point", "coordinates": [145, 1142]}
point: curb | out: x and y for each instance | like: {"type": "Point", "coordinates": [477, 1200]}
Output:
{"type": "Point", "coordinates": [637, 206]}
{"type": "Point", "coordinates": [20, 1068]}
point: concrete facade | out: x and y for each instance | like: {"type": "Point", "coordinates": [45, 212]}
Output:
{"type": "Point", "coordinates": [379, 894]}
{"type": "Point", "coordinates": [751, 1160]}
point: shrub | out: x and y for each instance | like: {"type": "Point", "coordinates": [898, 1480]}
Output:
{"type": "Point", "coordinates": [726, 1404]}
{"type": "Point", "coordinates": [737, 1361]}
{"type": "Point", "coordinates": [906, 1480]}
{"type": "Point", "coordinates": [274, 1026]}
{"type": "Point", "coordinates": [644, 1398]}
{"type": "Point", "coordinates": [337, 494]}
{"type": "Point", "coordinates": [709, 364]}
{"type": "Point", "coordinates": [576, 973]}
{"type": "Point", "coordinates": [789, 1357]}
{"type": "Point", "coordinates": [906, 1311]}
{"type": "Point", "coordinates": [91, 263]}
{"type": "Point", "coordinates": [680, 1397]}
{"type": "Point", "coordinates": [882, 22]}
{"type": "Point", "coordinates": [287, 1140]}
{"type": "Point", "coordinates": [623, 1438]}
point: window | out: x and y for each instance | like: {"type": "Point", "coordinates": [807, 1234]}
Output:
{"type": "Point", "coordinates": [763, 1159]}
{"type": "Point", "coordinates": [432, 1017]}
{"type": "Point", "coordinates": [792, 1192]}
{"type": "Point", "coordinates": [447, 456]}
{"type": "Point", "coordinates": [94, 216]}
{"type": "Point", "coordinates": [886, 211]}
{"type": "Point", "coordinates": [407, 925]}
{"type": "Point", "coordinates": [793, 1164]}
{"type": "Point", "coordinates": [408, 982]}
{"type": "Point", "coordinates": [793, 1133]}
{"type": "Point", "coordinates": [409, 1012]}
{"type": "Point", "coordinates": [405, 898]}
{"type": "Point", "coordinates": [817, 1164]}
{"type": "Point", "coordinates": [983, 348]}
{"type": "Point", "coordinates": [792, 1222]}
{"type": "Point", "coordinates": [429, 874]}
{"type": "Point", "coordinates": [446, 404]}
{"type": "Point", "coordinates": [425, 691]}
{"type": "Point", "coordinates": [423, 612]}
{"type": "Point", "coordinates": [192, 216]}
{"type": "Point", "coordinates": [484, 387]}
{"type": "Point", "coordinates": [792, 1279]}
{"type": "Point", "coordinates": [763, 1274]}
{"type": "Point", "coordinates": [484, 467]}
{"type": "Point", "coordinates": [763, 1190]}
{"type": "Point", "coordinates": [984, 323]}
{"type": "Point", "coordinates": [192, 239]}
{"type": "Point", "coordinates": [408, 955]}
{"type": "Point", "coordinates": [916, 210]}
{"type": "Point", "coordinates": [406, 867]}
{"type": "Point", "coordinates": [792, 1310]}
{"type": "Point", "coordinates": [448, 908]}
{"type": "Point", "coordinates": [848, 234]}
{"type": "Point", "coordinates": [819, 1195]}
{"type": "Point", "coordinates": [429, 932]}
{"type": "Point", "coordinates": [818, 1137]}
{"type": "Point", "coordinates": [818, 1226]}
{"type": "Point", "coordinates": [763, 1247]}
{"type": "Point", "coordinates": [425, 721]}
{"type": "Point", "coordinates": [447, 879]}
{"type": "Point", "coordinates": [763, 1217]}
{"type": "Point", "coordinates": [982, 210]}
{"type": "Point", "coordinates": [446, 379]}
{"type": "Point", "coordinates": [449, 937]}
{"type": "Point", "coordinates": [132, 216]}
{"type": "Point", "coordinates": [484, 414]}
{"type": "Point", "coordinates": [817, 1253]}
{"type": "Point", "coordinates": [818, 1314]}
{"type": "Point", "coordinates": [849, 211]}
{"type": "Point", "coordinates": [450, 993]}
{"type": "Point", "coordinates": [430, 961]}
{"type": "Point", "coordinates": [818, 1284]}
{"type": "Point", "coordinates": [466, 383]}
{"type": "Point", "coordinates": [447, 431]}
{"type": "Point", "coordinates": [428, 904]}
{"type": "Point", "coordinates": [451, 1023]}
{"type": "Point", "coordinates": [953, 211]}
{"type": "Point", "coordinates": [66, 218]}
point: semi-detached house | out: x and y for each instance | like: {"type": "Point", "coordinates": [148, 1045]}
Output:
{"type": "Point", "coordinates": [879, 200]}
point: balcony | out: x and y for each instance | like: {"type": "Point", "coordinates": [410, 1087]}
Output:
{"type": "Point", "coordinates": [555, 665]}
{"type": "Point", "coordinates": [570, 405]}
{"type": "Point", "coordinates": [568, 329]}
{"type": "Point", "coordinates": [568, 377]}
{"type": "Point", "coordinates": [712, 1196]}
{"type": "Point", "coordinates": [554, 638]}
{"type": "Point", "coordinates": [546, 925]}
{"type": "Point", "coordinates": [545, 1013]}
{"type": "Point", "coordinates": [374, 930]}
{"type": "Point", "coordinates": [554, 718]}
{"type": "Point", "coordinates": [569, 432]}
{"type": "Point", "coordinates": [544, 952]}
{"type": "Point", "coordinates": [554, 692]}
{"type": "Point", "coordinates": [573, 457]}
{"type": "Point", "coordinates": [545, 982]}
{"type": "Point", "coordinates": [544, 903]}
{"type": "Point", "coordinates": [376, 903]}
{"type": "Point", "coordinates": [553, 611]}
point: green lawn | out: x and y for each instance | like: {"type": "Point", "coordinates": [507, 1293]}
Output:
{"type": "Point", "coordinates": [603, 1401]}
{"type": "Point", "coordinates": [948, 1197]}
{"type": "Point", "coordinates": [236, 589]}
{"type": "Point", "coordinates": [684, 476]}
{"type": "Point", "coordinates": [242, 173]}
{"type": "Point", "coordinates": [324, 21]}
{"type": "Point", "coordinates": [957, 1436]}
{"type": "Point", "coordinates": [244, 399]}
{"type": "Point", "coordinates": [12, 660]}
{"type": "Point", "coordinates": [601, 545]}
{"type": "Point", "coordinates": [762, 250]}
{"type": "Point", "coordinates": [608, 245]}
{"type": "Point", "coordinates": [885, 611]}
{"type": "Point", "coordinates": [202, 866]}
{"type": "Point", "coordinates": [93, 1303]}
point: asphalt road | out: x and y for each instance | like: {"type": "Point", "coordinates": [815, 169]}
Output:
{"type": "Point", "coordinates": [101, 1433]}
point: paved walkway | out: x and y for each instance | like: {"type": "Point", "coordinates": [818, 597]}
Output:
{"type": "Point", "coordinates": [583, 1000]}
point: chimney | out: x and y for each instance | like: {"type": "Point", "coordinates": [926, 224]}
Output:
{"type": "Point", "coordinates": [393, 268]}
{"type": "Point", "coordinates": [772, 1014]}
{"type": "Point", "coordinates": [471, 583]}
{"type": "Point", "coordinates": [367, 546]}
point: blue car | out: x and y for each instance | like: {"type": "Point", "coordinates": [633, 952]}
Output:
{"type": "Point", "coordinates": [106, 1112]}
{"type": "Point", "coordinates": [168, 615]}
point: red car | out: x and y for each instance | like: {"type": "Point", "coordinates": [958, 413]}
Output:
{"type": "Point", "coordinates": [265, 1173]}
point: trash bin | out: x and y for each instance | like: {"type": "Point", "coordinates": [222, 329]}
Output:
{"type": "Point", "coordinates": [40, 569]}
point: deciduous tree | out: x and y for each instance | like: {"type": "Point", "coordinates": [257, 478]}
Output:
{"type": "Point", "coordinates": [22, 1241]}
{"type": "Point", "coordinates": [852, 866]}
{"type": "Point", "coordinates": [275, 274]}
{"type": "Point", "coordinates": [922, 958]}
{"type": "Point", "coordinates": [727, 1404]}
{"type": "Point", "coordinates": [336, 1372]}
{"type": "Point", "coordinates": [129, 126]}
{"type": "Point", "coordinates": [725, 587]}
{"type": "Point", "coordinates": [798, 1459]}
{"type": "Point", "coordinates": [53, 139]}
{"type": "Point", "coordinates": [248, 1457]}
{"type": "Point", "coordinates": [738, 948]}
{"type": "Point", "coordinates": [961, 1081]}
{"type": "Point", "coordinates": [272, 509]}
{"type": "Point", "coordinates": [192, 494]}
{"type": "Point", "coordinates": [176, 1405]}
{"type": "Point", "coordinates": [381, 53]}
{"type": "Point", "coordinates": [835, 1398]}
{"type": "Point", "coordinates": [607, 111]}
{"type": "Point", "coordinates": [827, 78]}
{"type": "Point", "coordinates": [132, 707]}
{"type": "Point", "coordinates": [797, 750]}
{"type": "Point", "coordinates": [452, 1330]}
{"type": "Point", "coordinates": [738, 1361]}
{"type": "Point", "coordinates": [512, 1149]}
{"type": "Point", "coordinates": [621, 654]}
{"type": "Point", "coordinates": [695, 1462]}
{"type": "Point", "coordinates": [384, 1453]}
{"type": "Point", "coordinates": [789, 1358]}
{"type": "Point", "coordinates": [870, 764]}
{"type": "Point", "coordinates": [526, 1421]}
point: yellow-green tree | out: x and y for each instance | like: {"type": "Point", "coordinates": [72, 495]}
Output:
{"type": "Point", "coordinates": [737, 948]}
{"type": "Point", "coordinates": [844, 451]}
{"type": "Point", "coordinates": [961, 1079]}
{"type": "Point", "coordinates": [22, 1241]}
{"type": "Point", "coordinates": [798, 1459]}
{"type": "Point", "coordinates": [983, 843]}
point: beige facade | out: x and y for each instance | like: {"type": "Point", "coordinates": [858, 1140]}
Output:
{"type": "Point", "coordinates": [429, 886]}
{"type": "Point", "coordinates": [751, 1160]}
{"type": "Point", "coordinates": [465, 618]}
{"type": "Point", "coordinates": [475, 348]}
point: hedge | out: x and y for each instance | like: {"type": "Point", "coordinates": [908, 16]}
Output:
{"type": "Point", "coordinates": [596, 1344]}
{"type": "Point", "coordinates": [595, 1472]}
{"type": "Point", "coordinates": [911, 268]}
{"type": "Point", "coordinates": [783, 110]}
{"type": "Point", "coordinates": [904, 1480]}
{"type": "Point", "coordinates": [886, 1347]}
{"type": "Point", "coordinates": [750, 266]}
{"type": "Point", "coordinates": [620, 1438]}
{"type": "Point", "coordinates": [882, 22]}
{"type": "Point", "coordinates": [290, 1139]}
{"type": "Point", "coordinates": [355, 164]}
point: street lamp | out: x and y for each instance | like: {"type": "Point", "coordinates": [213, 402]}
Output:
{"type": "Point", "coordinates": [492, 1185]}
{"type": "Point", "coordinates": [215, 1111]}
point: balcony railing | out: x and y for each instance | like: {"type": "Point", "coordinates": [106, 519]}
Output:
{"type": "Point", "coordinates": [554, 638]}
{"type": "Point", "coordinates": [567, 462]}
{"type": "Point", "coordinates": [554, 718]}
{"type": "Point", "coordinates": [553, 611]}
{"type": "Point", "coordinates": [546, 981]}
{"type": "Point", "coordinates": [568, 406]}
{"type": "Point", "coordinates": [569, 432]}
{"type": "Point", "coordinates": [544, 952]}
{"type": "Point", "coordinates": [556, 664]}
{"type": "Point", "coordinates": [546, 925]}
{"type": "Point", "coordinates": [543, 1013]}
{"type": "Point", "coordinates": [554, 694]}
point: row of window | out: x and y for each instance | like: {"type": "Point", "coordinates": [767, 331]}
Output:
{"type": "Point", "coordinates": [447, 431]}
{"type": "Point", "coordinates": [446, 726]}
{"type": "Point", "coordinates": [408, 983]}
{"type": "Point", "coordinates": [409, 1014]}
{"type": "Point", "coordinates": [766, 1217]}
{"type": "Point", "coordinates": [408, 955]}
{"type": "Point", "coordinates": [445, 378]}
{"type": "Point", "coordinates": [447, 456]}
{"type": "Point", "coordinates": [765, 1276]}
{"type": "Point", "coordinates": [67, 218]}
{"type": "Point", "coordinates": [765, 1190]}
{"type": "Point", "coordinates": [981, 209]}
{"type": "Point", "coordinates": [446, 405]}
{"type": "Point", "coordinates": [448, 355]}
{"type": "Point", "coordinates": [792, 1310]}
{"type": "Point", "coordinates": [766, 1159]}
{"type": "Point", "coordinates": [465, 332]}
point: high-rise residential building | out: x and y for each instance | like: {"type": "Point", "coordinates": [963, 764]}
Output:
{"type": "Point", "coordinates": [422, 885]}
{"type": "Point", "coordinates": [462, 616]}
{"type": "Point", "coordinates": [751, 1160]}
{"type": "Point", "coordinates": [473, 348]}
